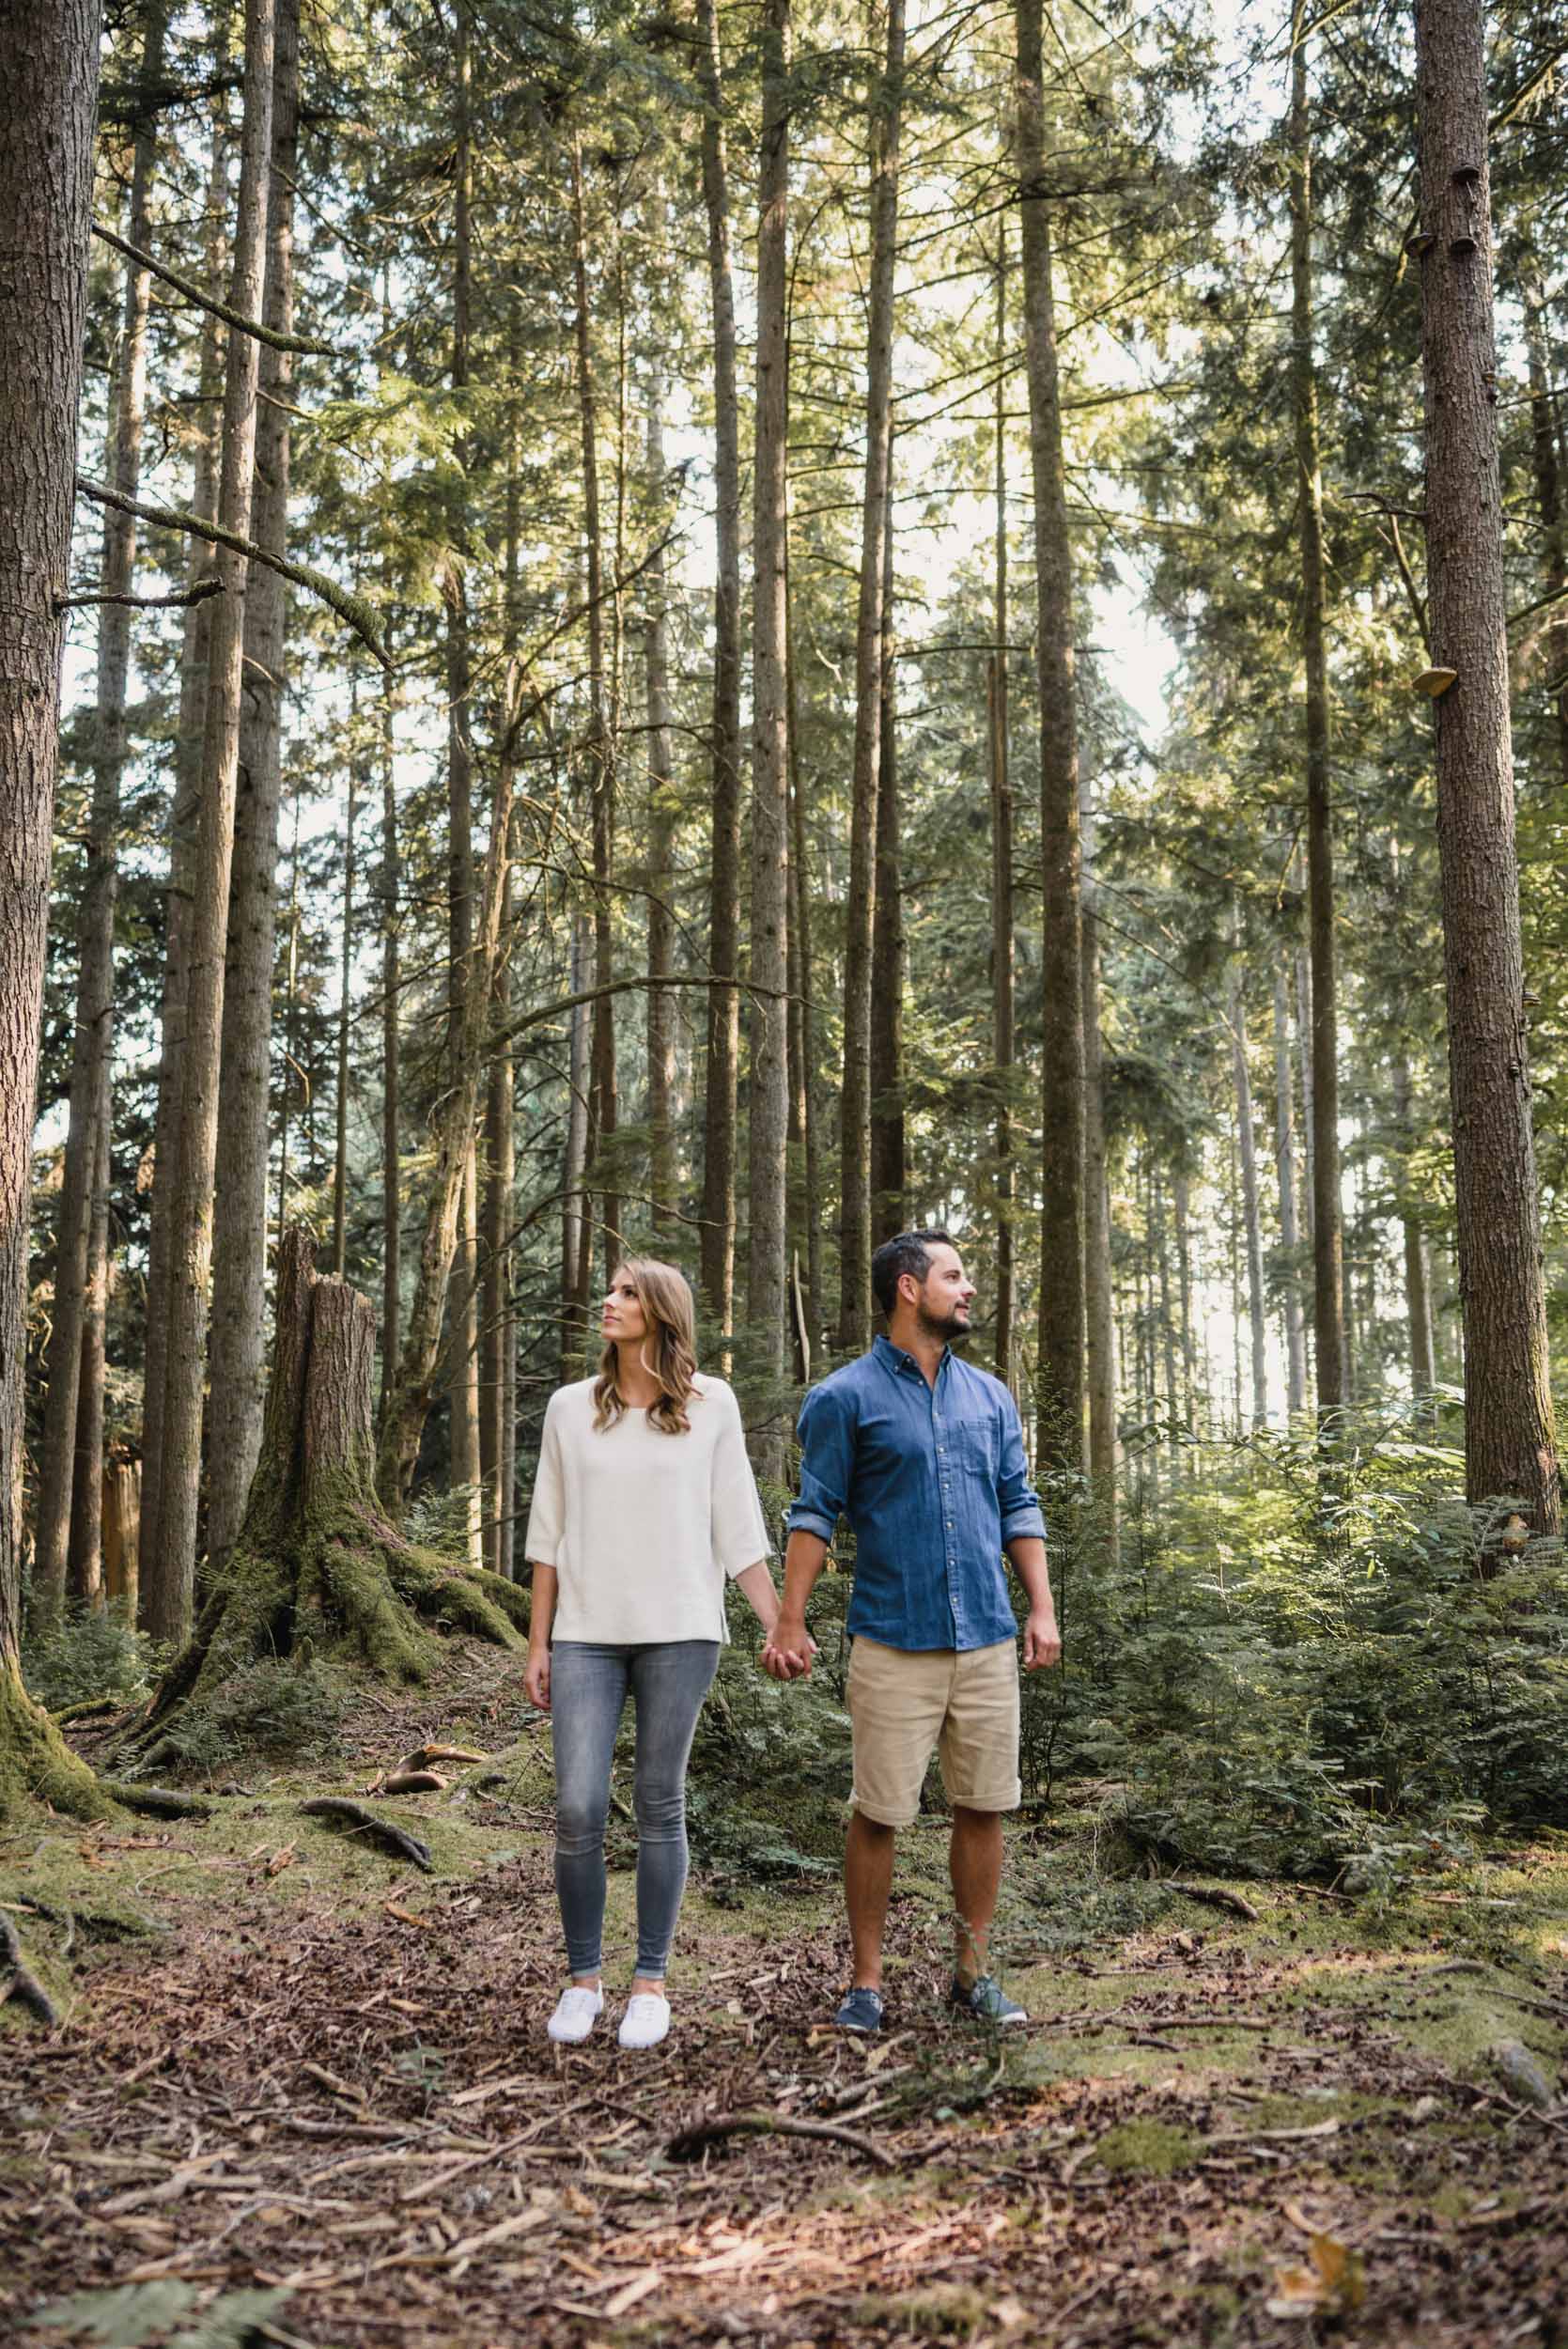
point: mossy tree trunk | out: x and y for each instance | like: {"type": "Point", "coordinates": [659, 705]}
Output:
{"type": "Point", "coordinates": [318, 1558]}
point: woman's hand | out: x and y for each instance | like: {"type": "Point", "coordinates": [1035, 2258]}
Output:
{"type": "Point", "coordinates": [536, 1677]}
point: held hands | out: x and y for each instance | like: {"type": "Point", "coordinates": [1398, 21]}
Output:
{"type": "Point", "coordinates": [1042, 1642]}
{"type": "Point", "coordinates": [788, 1650]}
{"type": "Point", "coordinates": [536, 1677]}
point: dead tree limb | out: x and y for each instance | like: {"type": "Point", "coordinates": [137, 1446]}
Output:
{"type": "Point", "coordinates": [194, 293]}
{"type": "Point", "coordinates": [354, 1817]}
{"type": "Point", "coordinates": [349, 606]}
{"type": "Point", "coordinates": [200, 593]}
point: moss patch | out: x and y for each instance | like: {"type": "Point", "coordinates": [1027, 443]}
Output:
{"type": "Point", "coordinates": [1146, 2148]}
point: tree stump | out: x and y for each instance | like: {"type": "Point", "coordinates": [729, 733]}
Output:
{"type": "Point", "coordinates": [317, 1559]}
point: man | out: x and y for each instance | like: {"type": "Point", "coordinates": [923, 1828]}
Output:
{"type": "Point", "coordinates": [924, 1457]}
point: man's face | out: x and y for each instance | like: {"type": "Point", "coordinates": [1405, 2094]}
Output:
{"type": "Point", "coordinates": [946, 1296]}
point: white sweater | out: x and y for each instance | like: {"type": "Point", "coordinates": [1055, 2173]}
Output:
{"type": "Point", "coordinates": [642, 1528]}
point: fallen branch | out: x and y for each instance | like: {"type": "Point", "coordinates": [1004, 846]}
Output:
{"type": "Point", "coordinates": [159, 1802]}
{"type": "Point", "coordinates": [701, 2134]}
{"type": "Point", "coordinates": [272, 336]}
{"type": "Point", "coordinates": [349, 606]}
{"type": "Point", "coordinates": [1215, 1896]}
{"type": "Point", "coordinates": [406, 1782]}
{"type": "Point", "coordinates": [23, 1988]}
{"type": "Point", "coordinates": [359, 1821]}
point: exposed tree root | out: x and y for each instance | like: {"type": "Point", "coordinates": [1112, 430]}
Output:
{"type": "Point", "coordinates": [319, 1567]}
{"type": "Point", "coordinates": [36, 1763]}
{"type": "Point", "coordinates": [23, 1986]}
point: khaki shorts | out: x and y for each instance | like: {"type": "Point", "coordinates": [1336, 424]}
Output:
{"type": "Point", "coordinates": [904, 1705]}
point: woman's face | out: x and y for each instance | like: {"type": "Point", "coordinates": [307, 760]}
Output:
{"type": "Point", "coordinates": [623, 1320]}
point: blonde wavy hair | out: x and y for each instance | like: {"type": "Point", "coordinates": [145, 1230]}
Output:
{"type": "Point", "coordinates": [669, 1352]}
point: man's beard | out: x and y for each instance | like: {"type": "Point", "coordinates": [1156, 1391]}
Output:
{"type": "Point", "coordinates": [951, 1328]}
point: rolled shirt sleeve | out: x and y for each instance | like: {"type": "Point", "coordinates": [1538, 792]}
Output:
{"type": "Point", "coordinates": [740, 1536]}
{"type": "Point", "coordinates": [826, 1429]}
{"type": "Point", "coordinates": [1017, 1500]}
{"type": "Point", "coordinates": [547, 1507]}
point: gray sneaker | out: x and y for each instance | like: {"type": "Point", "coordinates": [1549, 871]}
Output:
{"type": "Point", "coordinates": [861, 2009]}
{"type": "Point", "coordinates": [986, 2000]}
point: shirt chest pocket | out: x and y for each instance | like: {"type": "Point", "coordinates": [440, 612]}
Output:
{"type": "Point", "coordinates": [974, 1440]}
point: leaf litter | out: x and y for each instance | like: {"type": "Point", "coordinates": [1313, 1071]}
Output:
{"type": "Point", "coordinates": [327, 2116]}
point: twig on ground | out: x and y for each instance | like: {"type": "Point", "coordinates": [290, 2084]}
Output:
{"type": "Point", "coordinates": [1214, 1896]}
{"type": "Point", "coordinates": [701, 2134]}
{"type": "Point", "coordinates": [338, 1808]}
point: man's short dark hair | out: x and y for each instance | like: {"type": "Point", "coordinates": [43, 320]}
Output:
{"type": "Point", "coordinates": [907, 1252]}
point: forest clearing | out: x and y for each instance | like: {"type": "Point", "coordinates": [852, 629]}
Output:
{"type": "Point", "coordinates": [317, 2092]}
{"type": "Point", "coordinates": [784, 1030]}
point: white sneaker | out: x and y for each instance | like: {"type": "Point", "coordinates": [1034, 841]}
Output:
{"type": "Point", "coordinates": [645, 2021]}
{"type": "Point", "coordinates": [578, 2011]}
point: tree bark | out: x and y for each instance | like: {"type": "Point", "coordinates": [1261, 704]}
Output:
{"type": "Point", "coordinates": [1509, 1445]}
{"type": "Point", "coordinates": [238, 1360]}
{"type": "Point", "coordinates": [498, 1319]}
{"type": "Point", "coordinates": [74, 1346]}
{"type": "Point", "coordinates": [1003, 961]}
{"type": "Point", "coordinates": [803, 979]}
{"type": "Point", "coordinates": [85, 1556]}
{"type": "Point", "coordinates": [1328, 1226]}
{"type": "Point", "coordinates": [662, 1173]}
{"type": "Point", "coordinates": [170, 1585]}
{"type": "Point", "coordinates": [184, 798]}
{"type": "Point", "coordinates": [1418, 1295]}
{"type": "Point", "coordinates": [49, 55]}
{"type": "Point", "coordinates": [391, 1247]}
{"type": "Point", "coordinates": [889, 954]}
{"type": "Point", "coordinates": [1100, 1313]}
{"type": "Point", "coordinates": [1251, 1211]}
{"type": "Point", "coordinates": [769, 1057]}
{"type": "Point", "coordinates": [1059, 1378]}
{"type": "Point", "coordinates": [344, 1013]}
{"type": "Point", "coordinates": [1547, 456]}
{"type": "Point", "coordinates": [575, 1211]}
{"type": "Point", "coordinates": [855, 1096]}
{"type": "Point", "coordinates": [462, 1298]}
{"type": "Point", "coordinates": [723, 934]}
{"type": "Point", "coordinates": [1290, 1232]}
{"type": "Point", "coordinates": [601, 764]}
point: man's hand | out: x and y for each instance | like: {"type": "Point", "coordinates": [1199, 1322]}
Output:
{"type": "Point", "coordinates": [1042, 1642]}
{"type": "Point", "coordinates": [536, 1677]}
{"type": "Point", "coordinates": [788, 1650]}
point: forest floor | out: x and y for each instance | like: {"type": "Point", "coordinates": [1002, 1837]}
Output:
{"type": "Point", "coordinates": [302, 2094]}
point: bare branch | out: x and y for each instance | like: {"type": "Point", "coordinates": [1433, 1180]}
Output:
{"type": "Point", "coordinates": [189, 292]}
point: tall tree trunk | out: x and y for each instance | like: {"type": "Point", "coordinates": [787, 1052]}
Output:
{"type": "Point", "coordinates": [408, 1402]}
{"type": "Point", "coordinates": [888, 950]}
{"type": "Point", "coordinates": [196, 664]}
{"type": "Point", "coordinates": [237, 1364]}
{"type": "Point", "coordinates": [855, 1181]}
{"type": "Point", "coordinates": [1182, 1213]}
{"type": "Point", "coordinates": [804, 983]}
{"type": "Point", "coordinates": [1098, 1316]}
{"type": "Point", "coordinates": [1510, 1446]}
{"type": "Point", "coordinates": [497, 1340]}
{"type": "Point", "coordinates": [344, 1016]}
{"type": "Point", "coordinates": [462, 1298]}
{"type": "Point", "coordinates": [49, 51]}
{"type": "Point", "coordinates": [723, 931]}
{"type": "Point", "coordinates": [1167, 1336]}
{"type": "Point", "coordinates": [769, 1056]}
{"type": "Point", "coordinates": [574, 1211]}
{"type": "Point", "coordinates": [1003, 1023]}
{"type": "Point", "coordinates": [1284, 1160]}
{"type": "Point", "coordinates": [169, 1578]}
{"type": "Point", "coordinates": [72, 1348]}
{"type": "Point", "coordinates": [85, 1558]}
{"type": "Point", "coordinates": [662, 1175]}
{"type": "Point", "coordinates": [1250, 1212]}
{"type": "Point", "coordinates": [391, 1247]}
{"type": "Point", "coordinates": [1327, 1230]}
{"type": "Point", "coordinates": [1544, 397]}
{"type": "Point", "coordinates": [1059, 1380]}
{"type": "Point", "coordinates": [601, 767]}
{"type": "Point", "coordinates": [1418, 1294]}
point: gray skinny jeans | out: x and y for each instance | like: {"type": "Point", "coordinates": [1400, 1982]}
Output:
{"type": "Point", "coordinates": [587, 1695]}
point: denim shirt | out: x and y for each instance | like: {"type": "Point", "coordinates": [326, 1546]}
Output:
{"type": "Point", "coordinates": [934, 1482]}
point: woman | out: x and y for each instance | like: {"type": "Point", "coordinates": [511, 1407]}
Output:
{"type": "Point", "coordinates": [645, 1502]}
